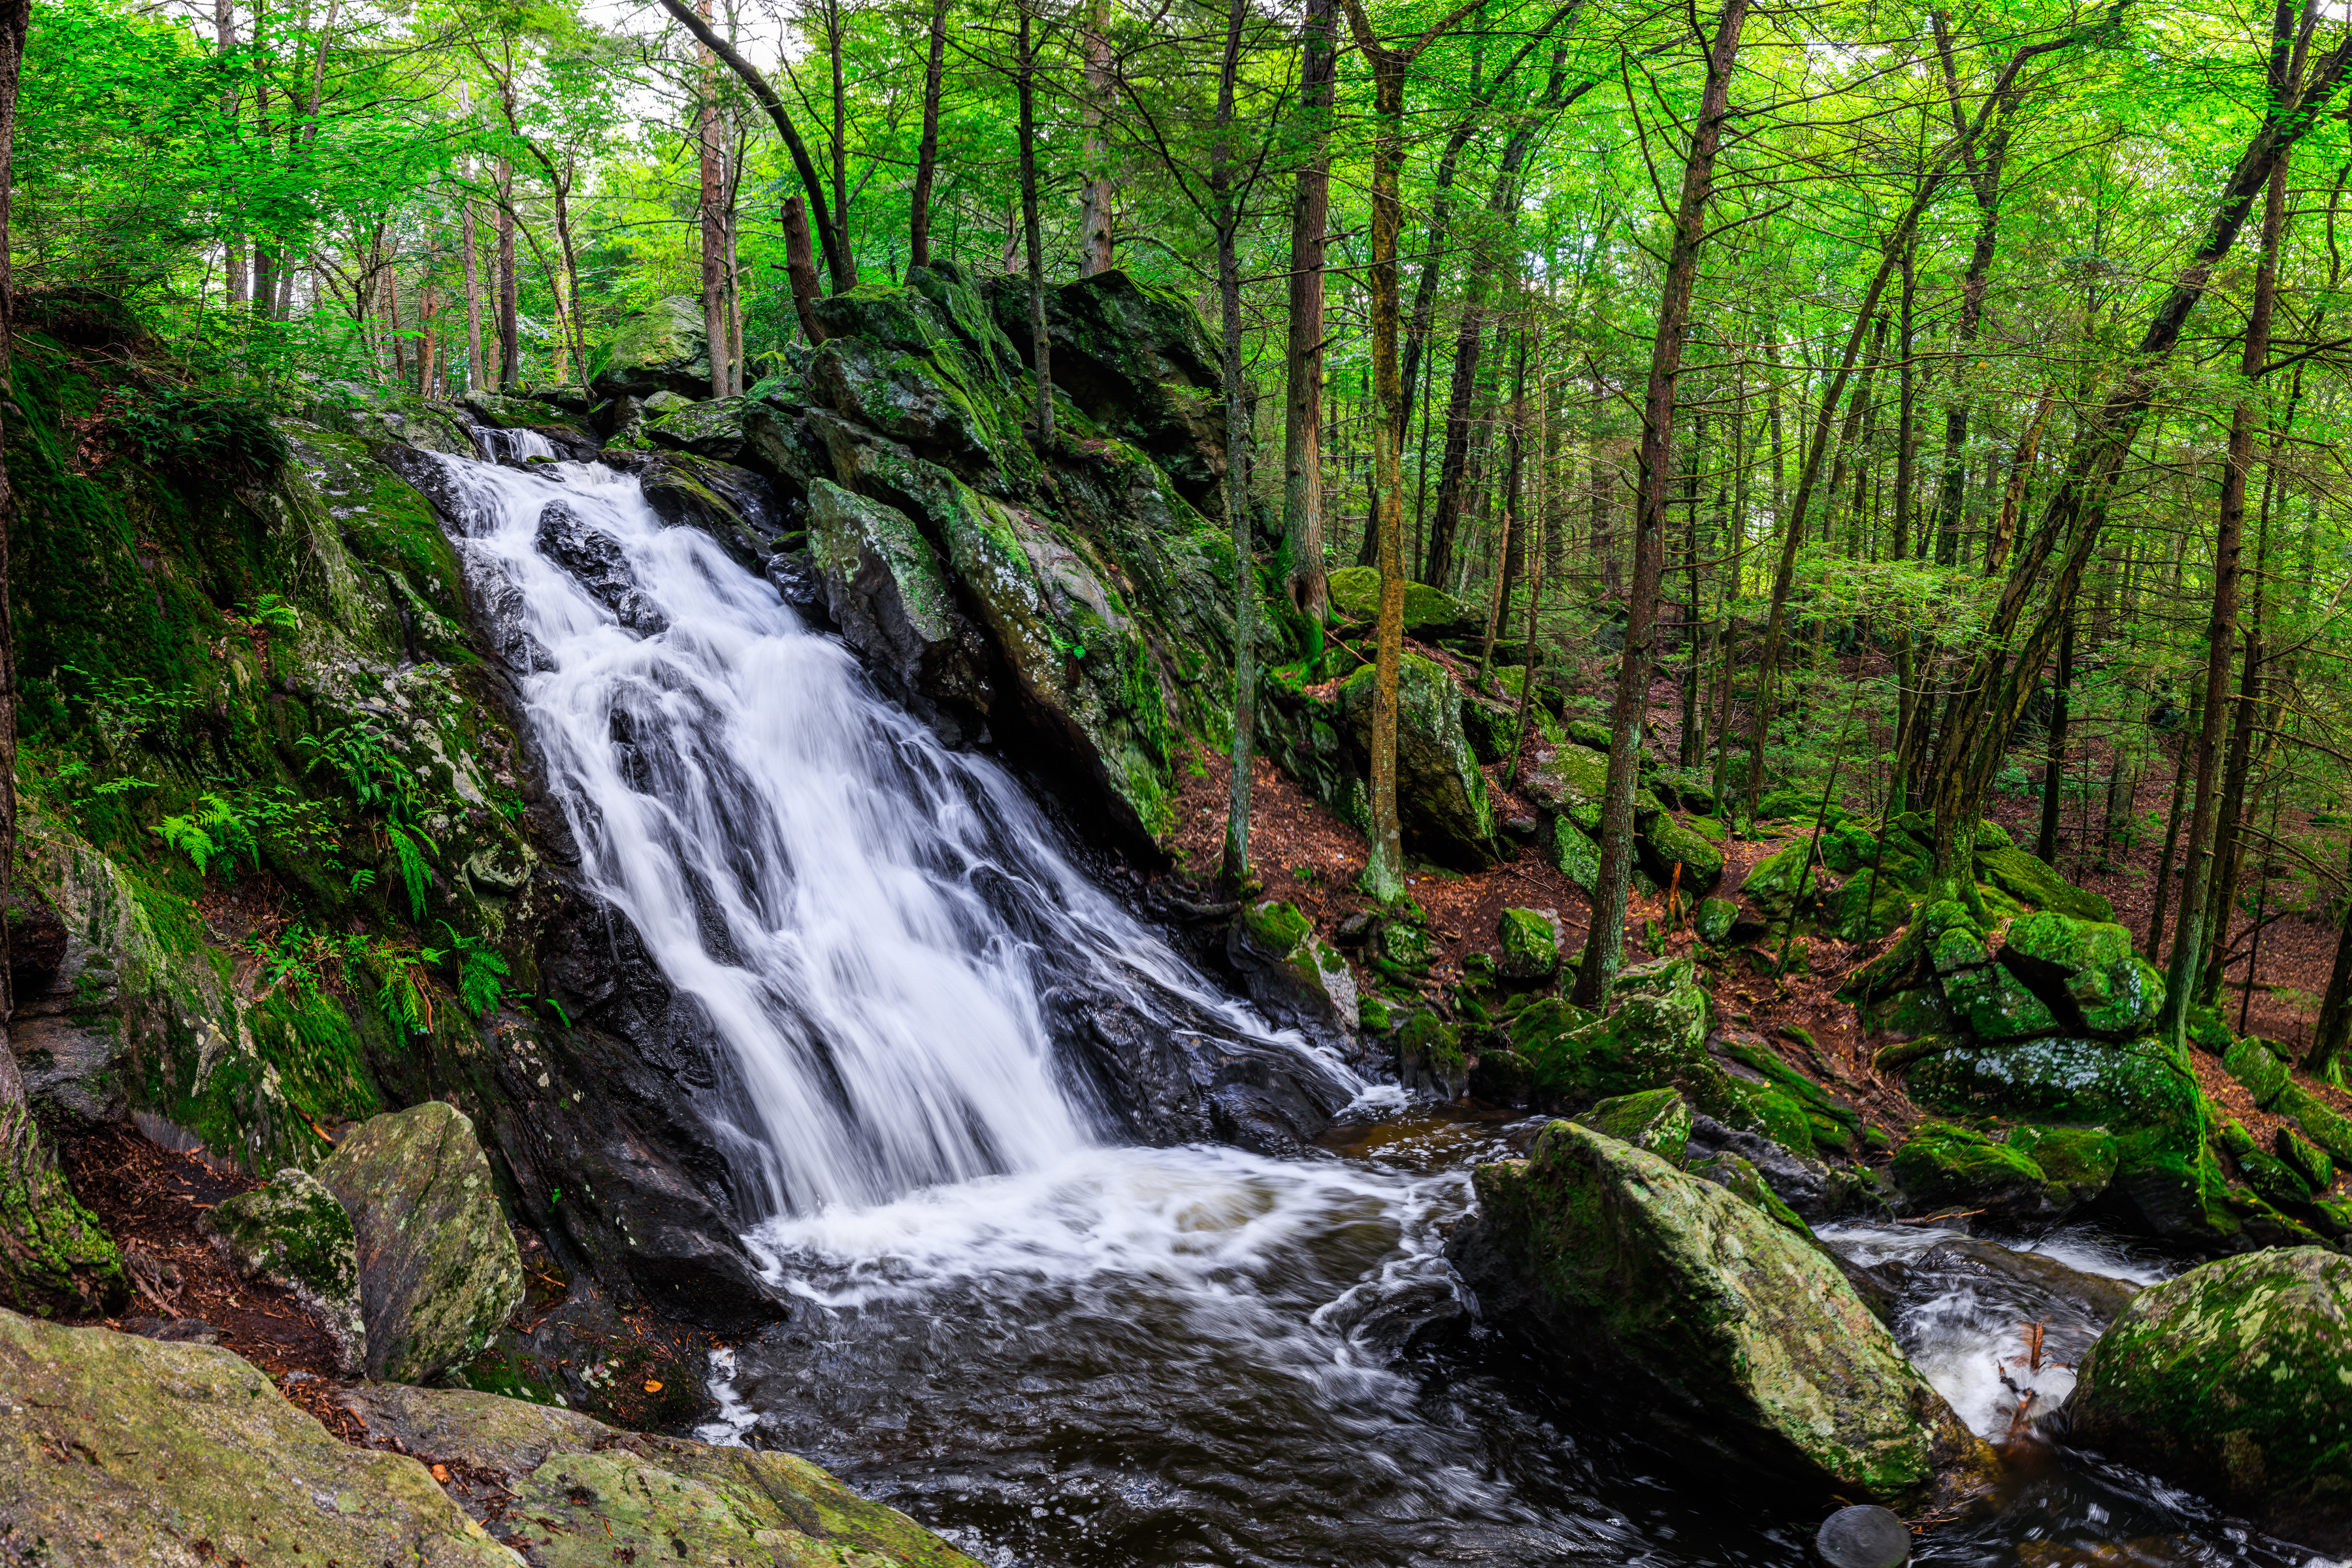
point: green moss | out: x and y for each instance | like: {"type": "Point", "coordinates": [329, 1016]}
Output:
{"type": "Point", "coordinates": [1656, 1120]}
{"type": "Point", "coordinates": [1942, 1165]}
{"type": "Point", "coordinates": [2081, 1159]}
{"type": "Point", "coordinates": [1355, 592]}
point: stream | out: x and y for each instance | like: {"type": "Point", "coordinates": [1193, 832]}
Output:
{"type": "Point", "coordinates": [1053, 1346]}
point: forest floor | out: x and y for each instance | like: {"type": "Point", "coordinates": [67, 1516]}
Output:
{"type": "Point", "coordinates": [1306, 855]}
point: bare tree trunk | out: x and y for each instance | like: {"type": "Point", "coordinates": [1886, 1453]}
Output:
{"type": "Point", "coordinates": [1099, 197]}
{"type": "Point", "coordinates": [1225, 189]}
{"type": "Point", "coordinates": [1605, 938]}
{"type": "Point", "coordinates": [236, 286]}
{"type": "Point", "coordinates": [712, 229]}
{"type": "Point", "coordinates": [2053, 767]}
{"type": "Point", "coordinates": [509, 339]}
{"type": "Point", "coordinates": [800, 266]}
{"type": "Point", "coordinates": [840, 124]}
{"type": "Point", "coordinates": [927, 155]}
{"type": "Point", "coordinates": [1040, 346]}
{"type": "Point", "coordinates": [1302, 445]}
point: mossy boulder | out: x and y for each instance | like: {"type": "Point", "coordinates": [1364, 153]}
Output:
{"type": "Point", "coordinates": [2251, 1064]}
{"type": "Point", "coordinates": [2235, 1381]}
{"type": "Point", "coordinates": [1527, 943]}
{"type": "Point", "coordinates": [1942, 1166]}
{"type": "Point", "coordinates": [1996, 1005]}
{"type": "Point", "coordinates": [1743, 1331]}
{"type": "Point", "coordinates": [2305, 1158]}
{"type": "Point", "coordinates": [1714, 920]}
{"type": "Point", "coordinates": [1657, 1119]}
{"type": "Point", "coordinates": [1448, 815]}
{"type": "Point", "coordinates": [1430, 1056]}
{"type": "Point", "coordinates": [2031, 881]}
{"type": "Point", "coordinates": [1355, 593]}
{"type": "Point", "coordinates": [1787, 882]}
{"type": "Point", "coordinates": [2273, 1180]}
{"type": "Point", "coordinates": [2087, 971]}
{"type": "Point", "coordinates": [296, 1234]}
{"type": "Point", "coordinates": [1295, 978]}
{"type": "Point", "coordinates": [440, 1272]}
{"type": "Point", "coordinates": [1574, 854]}
{"type": "Point", "coordinates": [661, 349]}
{"type": "Point", "coordinates": [1666, 843]}
{"type": "Point", "coordinates": [2320, 1121]}
{"type": "Point", "coordinates": [2082, 1160]}
{"type": "Point", "coordinates": [712, 428]}
{"type": "Point", "coordinates": [1571, 784]}
{"type": "Point", "coordinates": [1738, 1175]}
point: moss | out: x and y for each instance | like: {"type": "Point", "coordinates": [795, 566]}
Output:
{"type": "Point", "coordinates": [1355, 592]}
{"type": "Point", "coordinates": [1656, 1120]}
{"type": "Point", "coordinates": [2251, 1063]}
{"type": "Point", "coordinates": [2082, 1159]}
{"type": "Point", "coordinates": [1942, 1165]}
{"type": "Point", "coordinates": [1529, 944]}
{"type": "Point", "coordinates": [55, 1255]}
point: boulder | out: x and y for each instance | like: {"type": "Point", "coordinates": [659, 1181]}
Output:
{"type": "Point", "coordinates": [1295, 978]}
{"type": "Point", "coordinates": [2235, 1381]}
{"type": "Point", "coordinates": [886, 590]}
{"type": "Point", "coordinates": [2320, 1121]}
{"type": "Point", "coordinates": [1752, 1339]}
{"type": "Point", "coordinates": [1526, 943]}
{"type": "Point", "coordinates": [1576, 855]}
{"type": "Point", "coordinates": [1355, 594]}
{"type": "Point", "coordinates": [2305, 1158]}
{"type": "Point", "coordinates": [1738, 1175]}
{"type": "Point", "coordinates": [55, 1255]}
{"type": "Point", "coordinates": [1995, 1004]}
{"type": "Point", "coordinates": [712, 428]}
{"type": "Point", "coordinates": [1666, 843]}
{"type": "Point", "coordinates": [2081, 1160]}
{"type": "Point", "coordinates": [2087, 971]}
{"type": "Point", "coordinates": [597, 561]}
{"type": "Point", "coordinates": [1571, 783]}
{"type": "Point", "coordinates": [1714, 920]}
{"type": "Point", "coordinates": [2031, 881]}
{"type": "Point", "coordinates": [662, 348]}
{"type": "Point", "coordinates": [440, 1272]}
{"type": "Point", "coordinates": [1442, 797]}
{"type": "Point", "coordinates": [734, 506]}
{"type": "Point", "coordinates": [2274, 1180]}
{"type": "Point", "coordinates": [296, 1235]}
{"type": "Point", "coordinates": [1656, 1120]}
{"type": "Point", "coordinates": [910, 395]}
{"type": "Point", "coordinates": [1430, 1057]}
{"type": "Point", "coordinates": [1941, 1166]}
{"type": "Point", "coordinates": [2251, 1063]}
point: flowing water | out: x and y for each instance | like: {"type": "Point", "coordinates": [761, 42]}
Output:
{"type": "Point", "coordinates": [1056, 1349]}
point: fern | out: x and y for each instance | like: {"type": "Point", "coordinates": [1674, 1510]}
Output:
{"type": "Point", "coordinates": [409, 846]}
{"type": "Point", "coordinates": [481, 974]}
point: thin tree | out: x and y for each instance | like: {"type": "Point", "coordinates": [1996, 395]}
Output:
{"type": "Point", "coordinates": [1311, 210]}
{"type": "Point", "coordinates": [927, 154]}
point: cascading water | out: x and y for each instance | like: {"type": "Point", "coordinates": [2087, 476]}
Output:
{"type": "Point", "coordinates": [1055, 1349]}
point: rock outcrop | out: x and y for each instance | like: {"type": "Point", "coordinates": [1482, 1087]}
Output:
{"type": "Point", "coordinates": [2235, 1381]}
{"type": "Point", "coordinates": [122, 1452]}
{"type": "Point", "coordinates": [1748, 1337]}
{"type": "Point", "coordinates": [438, 1269]}
{"type": "Point", "coordinates": [296, 1234]}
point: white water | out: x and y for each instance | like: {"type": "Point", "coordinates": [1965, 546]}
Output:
{"type": "Point", "coordinates": [861, 912]}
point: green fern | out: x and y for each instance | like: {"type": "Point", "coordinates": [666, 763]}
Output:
{"type": "Point", "coordinates": [409, 846]}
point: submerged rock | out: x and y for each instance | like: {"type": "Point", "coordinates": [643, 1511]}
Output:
{"type": "Point", "coordinates": [440, 1272]}
{"type": "Point", "coordinates": [2235, 1381]}
{"type": "Point", "coordinates": [295, 1234]}
{"type": "Point", "coordinates": [596, 559]}
{"type": "Point", "coordinates": [1752, 1338]}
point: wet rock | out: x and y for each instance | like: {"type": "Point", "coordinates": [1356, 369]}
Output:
{"type": "Point", "coordinates": [596, 559]}
{"type": "Point", "coordinates": [712, 428]}
{"type": "Point", "coordinates": [1295, 978]}
{"type": "Point", "coordinates": [2082, 1160]}
{"type": "Point", "coordinates": [1864, 1537]}
{"type": "Point", "coordinates": [1656, 1120]}
{"type": "Point", "coordinates": [1802, 1184]}
{"type": "Point", "coordinates": [1751, 1340]}
{"type": "Point", "coordinates": [886, 588]}
{"type": "Point", "coordinates": [2235, 1381]}
{"type": "Point", "coordinates": [296, 1235]}
{"type": "Point", "coordinates": [1527, 943]}
{"type": "Point", "coordinates": [663, 349]}
{"type": "Point", "coordinates": [438, 1269]}
{"type": "Point", "coordinates": [563, 1478]}
{"type": "Point", "coordinates": [1739, 1177]}
{"type": "Point", "coordinates": [1940, 1166]}
{"type": "Point", "coordinates": [1442, 797]}
{"type": "Point", "coordinates": [1666, 843]}
{"type": "Point", "coordinates": [734, 506]}
{"type": "Point", "coordinates": [2090, 1300]}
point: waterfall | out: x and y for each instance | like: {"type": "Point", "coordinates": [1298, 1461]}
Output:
{"type": "Point", "coordinates": [867, 918]}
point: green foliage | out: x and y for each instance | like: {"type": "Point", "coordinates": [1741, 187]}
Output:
{"type": "Point", "coordinates": [201, 435]}
{"type": "Point", "coordinates": [221, 827]}
{"type": "Point", "coordinates": [481, 973]}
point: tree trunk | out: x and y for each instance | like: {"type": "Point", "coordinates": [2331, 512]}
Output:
{"type": "Point", "coordinates": [2335, 1022]}
{"type": "Point", "coordinates": [1302, 435]}
{"type": "Point", "coordinates": [710, 226]}
{"type": "Point", "coordinates": [1605, 938]}
{"type": "Point", "coordinates": [2053, 767]}
{"type": "Point", "coordinates": [927, 156]}
{"type": "Point", "coordinates": [1041, 347]}
{"type": "Point", "coordinates": [509, 343]}
{"type": "Point", "coordinates": [800, 266]}
{"type": "Point", "coordinates": [1225, 189]}
{"type": "Point", "coordinates": [2153, 951]}
{"type": "Point", "coordinates": [1099, 199]}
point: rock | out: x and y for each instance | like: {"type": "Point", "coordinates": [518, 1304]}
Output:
{"type": "Point", "coordinates": [2092, 1300]}
{"type": "Point", "coordinates": [1442, 796]}
{"type": "Point", "coordinates": [1656, 1120]}
{"type": "Point", "coordinates": [734, 506]}
{"type": "Point", "coordinates": [2306, 1159]}
{"type": "Point", "coordinates": [1995, 1005]}
{"type": "Point", "coordinates": [2320, 1121]}
{"type": "Point", "coordinates": [1430, 1057]}
{"type": "Point", "coordinates": [2023, 876]}
{"type": "Point", "coordinates": [2138, 1089]}
{"type": "Point", "coordinates": [1528, 942]}
{"type": "Point", "coordinates": [596, 559]}
{"type": "Point", "coordinates": [1715, 920]}
{"type": "Point", "coordinates": [1404, 940]}
{"type": "Point", "coordinates": [910, 396]}
{"type": "Point", "coordinates": [1752, 1339]}
{"type": "Point", "coordinates": [440, 1272]}
{"type": "Point", "coordinates": [296, 1235]}
{"type": "Point", "coordinates": [1294, 977]}
{"type": "Point", "coordinates": [567, 1479]}
{"type": "Point", "coordinates": [2277, 1183]}
{"type": "Point", "coordinates": [886, 588]}
{"type": "Point", "coordinates": [1941, 1166]}
{"type": "Point", "coordinates": [184, 1452]}
{"type": "Point", "coordinates": [1738, 1175]}
{"type": "Point", "coordinates": [1355, 593]}
{"type": "Point", "coordinates": [55, 1257]}
{"type": "Point", "coordinates": [1666, 843]}
{"type": "Point", "coordinates": [2251, 1063]}
{"type": "Point", "coordinates": [1577, 857]}
{"type": "Point", "coordinates": [1788, 882]}
{"type": "Point", "coordinates": [1571, 783]}
{"type": "Point", "coordinates": [663, 349]}
{"type": "Point", "coordinates": [1863, 1536]}
{"type": "Point", "coordinates": [2235, 1381]}
{"type": "Point", "coordinates": [712, 428]}
{"type": "Point", "coordinates": [2087, 971]}
{"type": "Point", "coordinates": [2082, 1160]}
